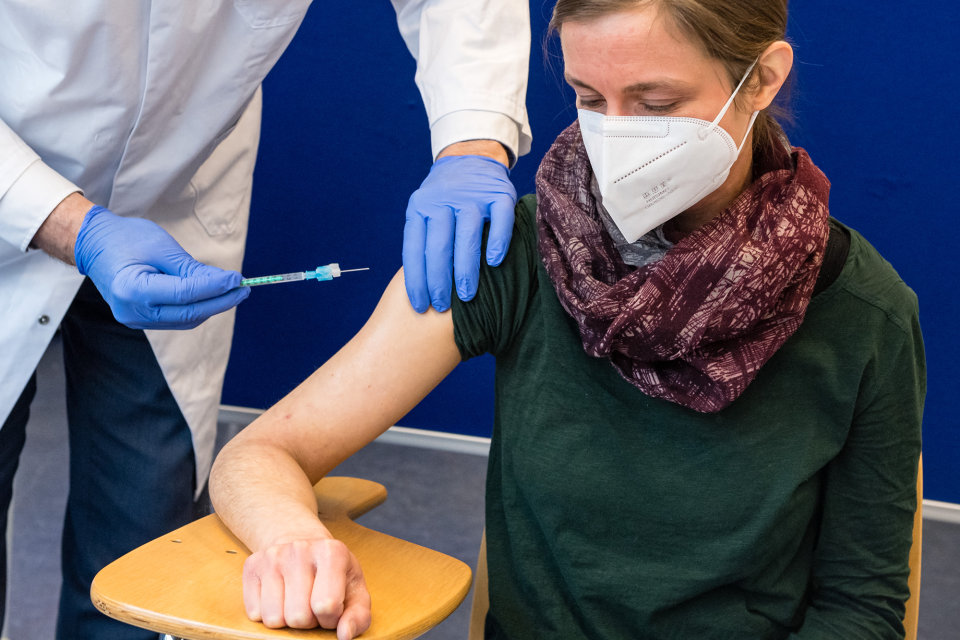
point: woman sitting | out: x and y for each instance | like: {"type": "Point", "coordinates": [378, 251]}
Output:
{"type": "Point", "coordinates": [708, 393]}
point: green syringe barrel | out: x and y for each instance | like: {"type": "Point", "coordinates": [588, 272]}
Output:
{"type": "Point", "coordinates": [285, 277]}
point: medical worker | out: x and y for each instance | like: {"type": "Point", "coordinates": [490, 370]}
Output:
{"type": "Point", "coordinates": [128, 137]}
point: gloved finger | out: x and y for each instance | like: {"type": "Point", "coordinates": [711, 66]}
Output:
{"type": "Point", "coordinates": [439, 257]}
{"type": "Point", "coordinates": [414, 262]}
{"type": "Point", "coordinates": [501, 229]}
{"type": "Point", "coordinates": [466, 253]}
{"type": "Point", "coordinates": [173, 259]}
{"type": "Point", "coordinates": [203, 283]}
{"type": "Point", "coordinates": [188, 316]}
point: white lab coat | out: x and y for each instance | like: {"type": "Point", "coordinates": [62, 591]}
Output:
{"type": "Point", "coordinates": [152, 109]}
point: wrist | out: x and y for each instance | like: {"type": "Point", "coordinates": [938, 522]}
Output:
{"type": "Point", "coordinates": [319, 532]}
{"type": "Point", "coordinates": [488, 148]}
{"type": "Point", "coordinates": [57, 236]}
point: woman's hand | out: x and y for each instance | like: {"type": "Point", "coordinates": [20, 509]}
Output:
{"type": "Point", "coordinates": [303, 583]}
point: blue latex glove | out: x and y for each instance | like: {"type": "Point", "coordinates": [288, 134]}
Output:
{"type": "Point", "coordinates": [444, 228]}
{"type": "Point", "coordinates": [147, 278]}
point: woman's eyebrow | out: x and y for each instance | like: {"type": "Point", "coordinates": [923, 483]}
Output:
{"type": "Point", "coordinates": [653, 85]}
{"type": "Point", "coordinates": [637, 87]}
{"type": "Point", "coordinates": [577, 83]}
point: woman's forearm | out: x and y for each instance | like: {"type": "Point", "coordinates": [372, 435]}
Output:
{"type": "Point", "coordinates": [263, 496]}
{"type": "Point", "coordinates": [261, 484]}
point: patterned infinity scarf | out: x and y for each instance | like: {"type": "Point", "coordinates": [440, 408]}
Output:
{"type": "Point", "coordinates": [695, 327]}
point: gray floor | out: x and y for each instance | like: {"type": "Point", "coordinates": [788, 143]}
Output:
{"type": "Point", "coordinates": [435, 499]}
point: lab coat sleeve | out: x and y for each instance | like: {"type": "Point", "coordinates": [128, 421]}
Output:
{"type": "Point", "coordinates": [29, 190]}
{"type": "Point", "coordinates": [472, 64]}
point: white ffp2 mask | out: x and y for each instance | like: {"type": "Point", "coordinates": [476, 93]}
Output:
{"type": "Point", "coordinates": [649, 169]}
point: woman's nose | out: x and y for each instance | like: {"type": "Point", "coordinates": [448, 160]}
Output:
{"type": "Point", "coordinates": [618, 108]}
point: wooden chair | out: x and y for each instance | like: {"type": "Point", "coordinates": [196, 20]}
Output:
{"type": "Point", "coordinates": [481, 600]}
{"type": "Point", "coordinates": [188, 583]}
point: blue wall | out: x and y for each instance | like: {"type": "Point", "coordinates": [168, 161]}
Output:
{"type": "Point", "coordinates": [345, 141]}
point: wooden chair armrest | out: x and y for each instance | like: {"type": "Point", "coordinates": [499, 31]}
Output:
{"type": "Point", "coordinates": [189, 583]}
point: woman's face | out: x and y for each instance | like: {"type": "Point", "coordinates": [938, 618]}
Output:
{"type": "Point", "coordinates": [637, 64]}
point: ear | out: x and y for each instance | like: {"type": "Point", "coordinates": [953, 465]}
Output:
{"type": "Point", "coordinates": [775, 64]}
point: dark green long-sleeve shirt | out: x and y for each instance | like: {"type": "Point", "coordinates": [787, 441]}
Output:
{"type": "Point", "coordinates": [611, 514]}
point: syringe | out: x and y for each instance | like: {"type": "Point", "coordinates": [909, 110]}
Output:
{"type": "Point", "coordinates": [328, 272]}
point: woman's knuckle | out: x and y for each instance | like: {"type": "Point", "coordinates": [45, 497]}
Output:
{"type": "Point", "coordinates": [273, 621]}
{"type": "Point", "coordinates": [250, 567]}
{"type": "Point", "coordinates": [323, 607]}
{"type": "Point", "coordinates": [339, 551]}
{"type": "Point", "coordinates": [301, 620]}
{"type": "Point", "coordinates": [272, 554]}
{"type": "Point", "coordinates": [300, 546]}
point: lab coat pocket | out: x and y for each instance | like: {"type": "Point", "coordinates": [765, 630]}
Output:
{"type": "Point", "coordinates": [263, 14]}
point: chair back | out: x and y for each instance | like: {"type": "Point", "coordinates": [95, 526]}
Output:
{"type": "Point", "coordinates": [912, 617]}
{"type": "Point", "coordinates": [481, 598]}
{"type": "Point", "coordinates": [481, 594]}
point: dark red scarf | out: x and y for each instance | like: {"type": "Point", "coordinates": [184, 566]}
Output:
{"type": "Point", "coordinates": [695, 327]}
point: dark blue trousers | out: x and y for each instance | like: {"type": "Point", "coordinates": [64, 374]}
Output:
{"type": "Point", "coordinates": [131, 459]}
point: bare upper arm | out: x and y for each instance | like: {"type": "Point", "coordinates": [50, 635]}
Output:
{"type": "Point", "coordinates": [395, 360]}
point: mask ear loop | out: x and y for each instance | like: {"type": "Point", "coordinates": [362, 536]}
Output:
{"type": "Point", "coordinates": [753, 119]}
{"type": "Point", "coordinates": [705, 132]}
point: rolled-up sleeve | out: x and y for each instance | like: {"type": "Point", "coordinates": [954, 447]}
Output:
{"type": "Point", "coordinates": [472, 66]}
{"type": "Point", "coordinates": [29, 190]}
{"type": "Point", "coordinates": [492, 320]}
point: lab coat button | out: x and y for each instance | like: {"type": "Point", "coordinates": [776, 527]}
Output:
{"type": "Point", "coordinates": [44, 319]}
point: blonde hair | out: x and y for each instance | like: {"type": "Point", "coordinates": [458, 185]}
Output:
{"type": "Point", "coordinates": [733, 32]}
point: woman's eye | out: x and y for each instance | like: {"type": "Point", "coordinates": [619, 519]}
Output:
{"type": "Point", "coordinates": [591, 104]}
{"type": "Point", "coordinates": [660, 108]}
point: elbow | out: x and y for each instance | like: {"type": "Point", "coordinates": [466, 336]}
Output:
{"type": "Point", "coordinates": [226, 474]}
{"type": "Point", "coordinates": [216, 481]}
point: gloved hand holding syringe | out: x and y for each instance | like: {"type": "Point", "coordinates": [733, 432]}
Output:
{"type": "Point", "coordinates": [329, 272]}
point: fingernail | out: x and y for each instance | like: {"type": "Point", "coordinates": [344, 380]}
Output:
{"type": "Point", "coordinates": [353, 628]}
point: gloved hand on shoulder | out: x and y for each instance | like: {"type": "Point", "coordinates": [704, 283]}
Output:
{"type": "Point", "coordinates": [444, 228]}
{"type": "Point", "coordinates": [147, 278]}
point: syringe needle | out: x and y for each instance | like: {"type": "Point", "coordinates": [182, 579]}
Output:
{"type": "Point", "coordinates": [349, 270]}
